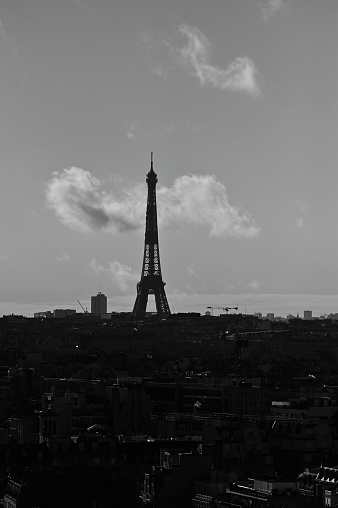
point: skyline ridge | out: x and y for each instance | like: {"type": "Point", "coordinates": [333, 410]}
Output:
{"type": "Point", "coordinates": [249, 303]}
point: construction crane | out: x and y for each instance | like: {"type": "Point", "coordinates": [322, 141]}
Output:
{"type": "Point", "coordinates": [222, 308]}
{"type": "Point", "coordinates": [229, 308]}
{"type": "Point", "coordinates": [82, 307]}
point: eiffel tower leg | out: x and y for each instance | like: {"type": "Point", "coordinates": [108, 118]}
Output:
{"type": "Point", "coordinates": [161, 301]}
{"type": "Point", "coordinates": [140, 304]}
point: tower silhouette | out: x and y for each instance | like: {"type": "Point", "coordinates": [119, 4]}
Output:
{"type": "Point", "coordinates": [151, 282]}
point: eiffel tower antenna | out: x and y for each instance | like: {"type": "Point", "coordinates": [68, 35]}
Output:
{"type": "Point", "coordinates": [151, 277]}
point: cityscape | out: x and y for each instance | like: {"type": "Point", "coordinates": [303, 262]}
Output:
{"type": "Point", "coordinates": [203, 369]}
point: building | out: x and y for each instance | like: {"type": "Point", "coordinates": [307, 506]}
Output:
{"type": "Point", "coordinates": [61, 313]}
{"type": "Point", "coordinates": [44, 314]}
{"type": "Point", "coordinates": [307, 314]}
{"type": "Point", "coordinates": [267, 491]}
{"type": "Point", "coordinates": [172, 482]}
{"type": "Point", "coordinates": [40, 488]}
{"type": "Point", "coordinates": [320, 483]}
{"type": "Point", "coordinates": [56, 313]}
{"type": "Point", "coordinates": [99, 304]}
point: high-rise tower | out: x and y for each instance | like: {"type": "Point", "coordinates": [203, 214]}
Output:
{"type": "Point", "coordinates": [151, 282]}
{"type": "Point", "coordinates": [98, 304]}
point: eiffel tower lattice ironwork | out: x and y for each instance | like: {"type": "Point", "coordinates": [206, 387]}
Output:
{"type": "Point", "coordinates": [151, 278]}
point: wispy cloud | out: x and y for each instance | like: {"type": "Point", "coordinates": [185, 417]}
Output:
{"type": "Point", "coordinates": [268, 8]}
{"type": "Point", "coordinates": [240, 75]}
{"type": "Point", "coordinates": [253, 285]}
{"type": "Point", "coordinates": [121, 275]}
{"type": "Point", "coordinates": [300, 222]}
{"type": "Point", "coordinates": [3, 257]}
{"type": "Point", "coordinates": [85, 7]}
{"type": "Point", "coordinates": [62, 258]}
{"type": "Point", "coordinates": [198, 200]}
{"type": "Point", "coordinates": [95, 268]}
{"type": "Point", "coordinates": [132, 129]}
{"type": "Point", "coordinates": [302, 206]}
{"type": "Point", "coordinates": [11, 43]}
{"type": "Point", "coordinates": [159, 50]}
{"type": "Point", "coordinates": [159, 70]}
{"type": "Point", "coordinates": [191, 269]}
{"type": "Point", "coordinates": [3, 33]}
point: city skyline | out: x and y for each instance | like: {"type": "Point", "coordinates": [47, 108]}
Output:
{"type": "Point", "coordinates": [237, 101]}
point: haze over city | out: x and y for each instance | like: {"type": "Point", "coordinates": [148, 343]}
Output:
{"type": "Point", "coordinates": [237, 100]}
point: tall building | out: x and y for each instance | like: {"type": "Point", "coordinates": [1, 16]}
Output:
{"type": "Point", "coordinates": [151, 278]}
{"type": "Point", "coordinates": [98, 304]}
{"type": "Point", "coordinates": [307, 314]}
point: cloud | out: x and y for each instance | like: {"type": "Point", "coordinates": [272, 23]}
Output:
{"type": "Point", "coordinates": [132, 129]}
{"type": "Point", "coordinates": [300, 222]}
{"type": "Point", "coordinates": [201, 200]}
{"type": "Point", "coordinates": [254, 285]}
{"type": "Point", "coordinates": [85, 7]}
{"type": "Point", "coordinates": [3, 257]}
{"type": "Point", "coordinates": [191, 269]}
{"type": "Point", "coordinates": [11, 43]}
{"type": "Point", "coordinates": [240, 75]}
{"type": "Point", "coordinates": [302, 206]}
{"type": "Point", "coordinates": [269, 8]}
{"type": "Point", "coordinates": [197, 200]}
{"type": "Point", "coordinates": [160, 71]}
{"type": "Point", "coordinates": [62, 258]}
{"type": "Point", "coordinates": [75, 196]}
{"type": "Point", "coordinates": [159, 51]}
{"type": "Point", "coordinates": [3, 33]}
{"type": "Point", "coordinates": [95, 268]}
{"type": "Point", "coordinates": [121, 275]}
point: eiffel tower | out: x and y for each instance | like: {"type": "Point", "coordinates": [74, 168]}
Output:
{"type": "Point", "coordinates": [151, 282]}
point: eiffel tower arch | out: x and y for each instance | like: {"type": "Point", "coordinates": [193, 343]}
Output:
{"type": "Point", "coordinates": [151, 282]}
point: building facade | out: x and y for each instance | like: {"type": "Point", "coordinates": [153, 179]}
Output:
{"type": "Point", "coordinates": [99, 304]}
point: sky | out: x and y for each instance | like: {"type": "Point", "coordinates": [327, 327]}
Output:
{"type": "Point", "coordinates": [238, 101]}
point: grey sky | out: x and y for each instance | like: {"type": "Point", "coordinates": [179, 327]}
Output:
{"type": "Point", "coordinates": [238, 101]}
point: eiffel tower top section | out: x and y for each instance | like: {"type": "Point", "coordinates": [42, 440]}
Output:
{"type": "Point", "coordinates": [151, 233]}
{"type": "Point", "coordinates": [151, 176]}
